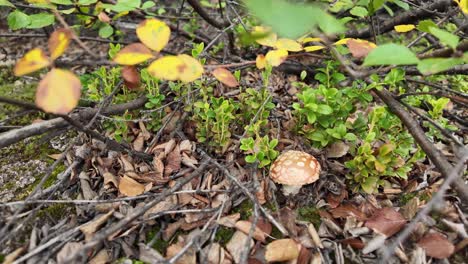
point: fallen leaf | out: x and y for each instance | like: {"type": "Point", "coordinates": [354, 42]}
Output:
{"type": "Point", "coordinates": [436, 245]}
{"type": "Point", "coordinates": [131, 77]}
{"type": "Point", "coordinates": [288, 44]}
{"type": "Point", "coordinates": [229, 220]}
{"type": "Point", "coordinates": [58, 92]}
{"type": "Point", "coordinates": [404, 28]}
{"type": "Point", "coordinates": [130, 187]}
{"type": "Point", "coordinates": [133, 54]}
{"type": "Point", "coordinates": [214, 253]}
{"type": "Point", "coordinates": [236, 246]}
{"type": "Point", "coordinates": [245, 226]}
{"type": "Point", "coordinates": [67, 250]}
{"type": "Point", "coordinates": [337, 149]}
{"type": "Point", "coordinates": [360, 48]}
{"type": "Point", "coordinates": [282, 250]}
{"type": "Point", "coordinates": [225, 76]}
{"type": "Point", "coordinates": [192, 69]}
{"type": "Point", "coordinates": [101, 257]}
{"type": "Point", "coordinates": [11, 257]}
{"type": "Point", "coordinates": [346, 210]}
{"type": "Point", "coordinates": [189, 257]}
{"type": "Point", "coordinates": [353, 242]}
{"type": "Point", "coordinates": [260, 61]}
{"type": "Point", "coordinates": [276, 57]}
{"type": "Point", "coordinates": [154, 33]}
{"type": "Point", "coordinates": [173, 162]}
{"type": "Point", "coordinates": [90, 228]}
{"type": "Point", "coordinates": [32, 61]}
{"type": "Point", "coordinates": [386, 221]}
{"type": "Point", "coordinates": [59, 41]}
{"type": "Point", "coordinates": [110, 178]}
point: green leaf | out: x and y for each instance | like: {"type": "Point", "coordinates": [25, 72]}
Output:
{"type": "Point", "coordinates": [391, 54]}
{"type": "Point", "coordinates": [106, 31]}
{"type": "Point", "coordinates": [6, 3]}
{"type": "Point", "coordinates": [86, 2]}
{"type": "Point", "coordinates": [62, 2]}
{"type": "Point", "coordinates": [148, 4]}
{"type": "Point", "coordinates": [292, 20]}
{"type": "Point", "coordinates": [41, 20]}
{"type": "Point", "coordinates": [17, 20]}
{"type": "Point", "coordinates": [370, 184]}
{"type": "Point", "coordinates": [359, 11]}
{"type": "Point", "coordinates": [324, 109]}
{"type": "Point", "coordinates": [435, 65]}
{"type": "Point", "coordinates": [425, 25]}
{"type": "Point", "coordinates": [445, 37]}
{"type": "Point", "coordinates": [250, 159]}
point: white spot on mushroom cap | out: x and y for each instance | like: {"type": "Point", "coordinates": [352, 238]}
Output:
{"type": "Point", "coordinates": [295, 168]}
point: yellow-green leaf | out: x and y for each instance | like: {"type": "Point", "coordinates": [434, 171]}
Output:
{"type": "Point", "coordinates": [341, 41]}
{"type": "Point", "coordinates": [154, 33]}
{"type": "Point", "coordinates": [58, 42]}
{"type": "Point", "coordinates": [133, 54]}
{"type": "Point", "coordinates": [309, 39]}
{"type": "Point", "coordinates": [166, 68]}
{"type": "Point", "coordinates": [288, 44]}
{"type": "Point", "coordinates": [404, 28]}
{"type": "Point", "coordinates": [32, 61]}
{"type": "Point", "coordinates": [58, 92]}
{"type": "Point", "coordinates": [260, 61]}
{"type": "Point", "coordinates": [313, 48]}
{"type": "Point", "coordinates": [463, 4]}
{"type": "Point", "coordinates": [267, 38]}
{"type": "Point", "coordinates": [192, 70]}
{"type": "Point", "coordinates": [276, 57]}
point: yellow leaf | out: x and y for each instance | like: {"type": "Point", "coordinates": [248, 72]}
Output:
{"type": "Point", "coordinates": [154, 33]}
{"type": "Point", "coordinates": [463, 4]}
{"type": "Point", "coordinates": [192, 70]}
{"type": "Point", "coordinates": [130, 187]}
{"type": "Point", "coordinates": [225, 77]}
{"type": "Point", "coordinates": [276, 57]}
{"type": "Point", "coordinates": [32, 61]}
{"type": "Point", "coordinates": [305, 40]}
{"type": "Point", "coordinates": [58, 92]}
{"type": "Point", "coordinates": [268, 38]}
{"type": "Point", "coordinates": [58, 42]}
{"type": "Point", "coordinates": [288, 44]}
{"type": "Point", "coordinates": [260, 62]}
{"type": "Point", "coordinates": [341, 41]}
{"type": "Point", "coordinates": [133, 54]}
{"type": "Point", "coordinates": [166, 68]}
{"type": "Point", "coordinates": [313, 48]}
{"type": "Point", "coordinates": [404, 28]}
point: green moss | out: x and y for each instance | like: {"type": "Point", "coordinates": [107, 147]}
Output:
{"type": "Point", "coordinates": [160, 245]}
{"type": "Point", "coordinates": [224, 234]}
{"type": "Point", "coordinates": [245, 209]}
{"type": "Point", "coordinates": [56, 211]}
{"type": "Point", "coordinates": [309, 214]}
{"type": "Point", "coordinates": [405, 198]}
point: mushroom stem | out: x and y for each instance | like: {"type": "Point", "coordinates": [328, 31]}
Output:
{"type": "Point", "coordinates": [291, 189]}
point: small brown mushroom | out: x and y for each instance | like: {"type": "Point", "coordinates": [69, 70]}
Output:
{"type": "Point", "coordinates": [293, 169]}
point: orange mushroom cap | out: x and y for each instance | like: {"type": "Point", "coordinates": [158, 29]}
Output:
{"type": "Point", "coordinates": [295, 168]}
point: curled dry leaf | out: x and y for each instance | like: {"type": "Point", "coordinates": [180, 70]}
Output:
{"type": "Point", "coordinates": [154, 33]}
{"type": "Point", "coordinates": [133, 54]}
{"type": "Point", "coordinates": [103, 17]}
{"type": "Point", "coordinates": [130, 187]}
{"type": "Point", "coordinates": [131, 77]}
{"type": "Point", "coordinates": [282, 250]}
{"type": "Point", "coordinates": [32, 61]}
{"type": "Point", "coordinates": [225, 76]}
{"type": "Point", "coordinates": [59, 41]}
{"type": "Point", "coordinates": [437, 246]}
{"type": "Point", "coordinates": [173, 162]}
{"type": "Point", "coordinates": [90, 228]}
{"type": "Point", "coordinates": [58, 92]}
{"type": "Point", "coordinates": [386, 221]}
{"type": "Point", "coordinates": [245, 226]}
{"type": "Point", "coordinates": [360, 48]}
{"type": "Point", "coordinates": [110, 178]}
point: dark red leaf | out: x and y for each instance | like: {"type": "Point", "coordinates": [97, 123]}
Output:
{"type": "Point", "coordinates": [436, 245]}
{"type": "Point", "coordinates": [386, 221]}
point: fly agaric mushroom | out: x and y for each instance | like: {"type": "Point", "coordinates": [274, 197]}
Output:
{"type": "Point", "coordinates": [293, 169]}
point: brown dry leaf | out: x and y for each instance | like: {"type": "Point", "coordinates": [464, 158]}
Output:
{"type": "Point", "coordinates": [346, 210]}
{"type": "Point", "coordinates": [101, 257]}
{"type": "Point", "coordinates": [282, 250]}
{"type": "Point", "coordinates": [158, 166]}
{"type": "Point", "coordinates": [186, 146]}
{"type": "Point", "coordinates": [226, 77]}
{"type": "Point", "coordinates": [353, 242]}
{"type": "Point", "coordinates": [245, 226]}
{"type": "Point", "coordinates": [149, 254]}
{"type": "Point", "coordinates": [126, 164]}
{"type": "Point", "coordinates": [189, 257]}
{"type": "Point", "coordinates": [189, 161]}
{"type": "Point", "coordinates": [236, 246]}
{"type": "Point", "coordinates": [69, 249]}
{"type": "Point", "coordinates": [10, 258]}
{"type": "Point", "coordinates": [229, 220]}
{"type": "Point", "coordinates": [260, 194]}
{"type": "Point", "coordinates": [59, 41]}
{"type": "Point", "coordinates": [168, 204]}
{"type": "Point", "coordinates": [90, 228]}
{"type": "Point", "coordinates": [360, 48]}
{"type": "Point", "coordinates": [130, 187]}
{"type": "Point", "coordinates": [58, 92]}
{"type": "Point", "coordinates": [110, 178]}
{"type": "Point", "coordinates": [138, 143]}
{"type": "Point", "coordinates": [386, 221]}
{"type": "Point", "coordinates": [410, 209]}
{"type": "Point", "coordinates": [172, 228]}
{"type": "Point", "coordinates": [263, 224]}
{"type": "Point", "coordinates": [131, 77]}
{"type": "Point", "coordinates": [436, 245]}
{"type": "Point", "coordinates": [215, 253]}
{"type": "Point", "coordinates": [173, 162]}
{"type": "Point", "coordinates": [337, 149]}
{"type": "Point", "coordinates": [335, 200]}
{"type": "Point", "coordinates": [166, 147]}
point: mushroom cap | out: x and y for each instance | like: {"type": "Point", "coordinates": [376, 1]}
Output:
{"type": "Point", "coordinates": [295, 168]}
